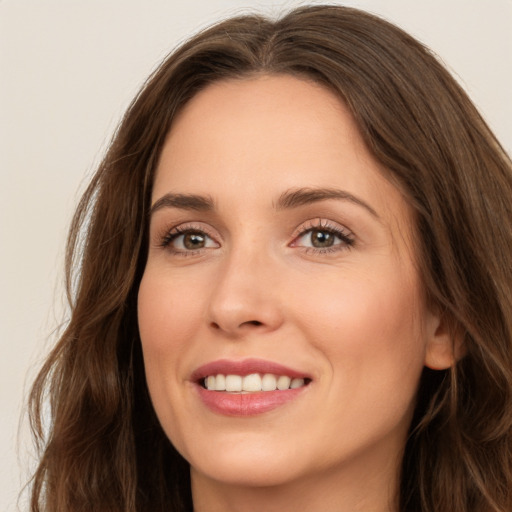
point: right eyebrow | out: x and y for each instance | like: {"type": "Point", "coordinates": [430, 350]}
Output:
{"type": "Point", "coordinates": [302, 196]}
{"type": "Point", "coordinates": [183, 202]}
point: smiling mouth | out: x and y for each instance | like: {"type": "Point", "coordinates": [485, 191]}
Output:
{"type": "Point", "coordinates": [252, 383]}
{"type": "Point", "coordinates": [248, 387]}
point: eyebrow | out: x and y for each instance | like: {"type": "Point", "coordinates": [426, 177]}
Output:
{"type": "Point", "coordinates": [183, 202]}
{"type": "Point", "coordinates": [304, 196]}
{"type": "Point", "coordinates": [287, 200]}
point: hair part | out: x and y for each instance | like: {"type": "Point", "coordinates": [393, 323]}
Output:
{"type": "Point", "coordinates": [105, 449]}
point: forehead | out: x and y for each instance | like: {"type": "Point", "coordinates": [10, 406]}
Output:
{"type": "Point", "coordinates": [253, 138]}
{"type": "Point", "coordinates": [267, 122]}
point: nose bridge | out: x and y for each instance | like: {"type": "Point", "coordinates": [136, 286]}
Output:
{"type": "Point", "coordinates": [244, 296]}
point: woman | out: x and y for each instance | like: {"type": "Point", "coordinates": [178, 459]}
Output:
{"type": "Point", "coordinates": [291, 286]}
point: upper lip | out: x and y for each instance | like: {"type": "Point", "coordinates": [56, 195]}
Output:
{"type": "Point", "coordinates": [245, 367]}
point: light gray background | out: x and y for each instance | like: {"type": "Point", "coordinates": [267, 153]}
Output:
{"type": "Point", "coordinates": [68, 70]}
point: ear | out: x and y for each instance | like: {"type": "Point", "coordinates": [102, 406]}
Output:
{"type": "Point", "coordinates": [444, 344]}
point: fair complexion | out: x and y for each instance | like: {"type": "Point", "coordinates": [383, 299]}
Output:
{"type": "Point", "coordinates": [275, 237]}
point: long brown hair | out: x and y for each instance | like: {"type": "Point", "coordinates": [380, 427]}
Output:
{"type": "Point", "coordinates": [104, 449]}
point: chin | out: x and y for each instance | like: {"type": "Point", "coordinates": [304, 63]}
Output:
{"type": "Point", "coordinates": [249, 467]}
{"type": "Point", "coordinates": [245, 474]}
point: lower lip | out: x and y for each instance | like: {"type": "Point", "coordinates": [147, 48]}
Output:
{"type": "Point", "coordinates": [247, 404]}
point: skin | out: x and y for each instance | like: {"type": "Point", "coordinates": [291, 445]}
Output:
{"type": "Point", "coordinates": [353, 318]}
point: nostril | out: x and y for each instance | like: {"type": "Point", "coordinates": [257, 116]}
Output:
{"type": "Point", "coordinates": [249, 323]}
{"type": "Point", "coordinates": [254, 322]}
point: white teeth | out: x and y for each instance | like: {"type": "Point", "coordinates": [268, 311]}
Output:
{"type": "Point", "coordinates": [220, 383]}
{"type": "Point", "coordinates": [296, 383]}
{"type": "Point", "coordinates": [251, 383]}
{"type": "Point", "coordinates": [283, 382]}
{"type": "Point", "coordinates": [233, 383]}
{"type": "Point", "coordinates": [268, 382]}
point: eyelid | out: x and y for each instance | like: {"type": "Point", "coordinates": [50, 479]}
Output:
{"type": "Point", "coordinates": [345, 237]}
{"type": "Point", "coordinates": [168, 234]}
{"type": "Point", "coordinates": [322, 223]}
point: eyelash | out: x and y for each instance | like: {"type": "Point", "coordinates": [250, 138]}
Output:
{"type": "Point", "coordinates": [174, 233]}
{"type": "Point", "coordinates": [323, 226]}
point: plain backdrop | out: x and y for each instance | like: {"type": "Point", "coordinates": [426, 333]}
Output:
{"type": "Point", "coordinates": [68, 69]}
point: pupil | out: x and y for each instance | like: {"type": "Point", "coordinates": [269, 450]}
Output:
{"type": "Point", "coordinates": [193, 241]}
{"type": "Point", "coordinates": [321, 238]}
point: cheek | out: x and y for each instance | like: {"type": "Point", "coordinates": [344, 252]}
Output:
{"type": "Point", "coordinates": [162, 313]}
{"type": "Point", "coordinates": [370, 334]}
{"type": "Point", "coordinates": [167, 314]}
{"type": "Point", "coordinates": [368, 325]}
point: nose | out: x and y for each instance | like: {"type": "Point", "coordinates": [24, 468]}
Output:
{"type": "Point", "coordinates": [246, 296]}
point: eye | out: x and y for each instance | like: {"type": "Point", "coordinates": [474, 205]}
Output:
{"type": "Point", "coordinates": [320, 238]}
{"type": "Point", "coordinates": [324, 238]}
{"type": "Point", "coordinates": [188, 240]}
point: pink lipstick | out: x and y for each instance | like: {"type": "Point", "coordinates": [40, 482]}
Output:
{"type": "Point", "coordinates": [247, 387]}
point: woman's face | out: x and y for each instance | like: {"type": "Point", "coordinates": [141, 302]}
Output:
{"type": "Point", "coordinates": [279, 253]}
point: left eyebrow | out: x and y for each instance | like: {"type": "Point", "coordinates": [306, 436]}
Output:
{"type": "Point", "coordinates": [183, 202]}
{"type": "Point", "coordinates": [303, 196]}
